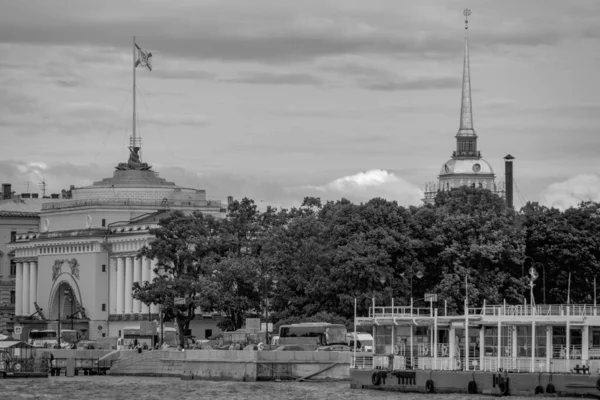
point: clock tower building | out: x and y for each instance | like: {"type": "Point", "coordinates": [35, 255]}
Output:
{"type": "Point", "coordinates": [466, 167]}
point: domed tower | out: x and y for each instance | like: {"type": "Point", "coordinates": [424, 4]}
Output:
{"type": "Point", "coordinates": [466, 167]}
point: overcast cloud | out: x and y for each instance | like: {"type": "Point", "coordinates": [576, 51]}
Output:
{"type": "Point", "coordinates": [277, 100]}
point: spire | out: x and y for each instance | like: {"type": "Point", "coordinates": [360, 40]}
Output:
{"type": "Point", "coordinates": [466, 110]}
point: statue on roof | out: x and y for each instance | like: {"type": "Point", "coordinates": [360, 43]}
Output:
{"type": "Point", "coordinates": [134, 161]}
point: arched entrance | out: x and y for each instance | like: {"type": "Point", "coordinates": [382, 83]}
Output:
{"type": "Point", "coordinates": [66, 308]}
{"type": "Point", "coordinates": [64, 302]}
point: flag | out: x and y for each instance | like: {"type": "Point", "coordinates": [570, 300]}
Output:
{"type": "Point", "coordinates": [144, 58]}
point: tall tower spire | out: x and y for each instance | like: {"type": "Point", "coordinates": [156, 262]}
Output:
{"type": "Point", "coordinates": [466, 110]}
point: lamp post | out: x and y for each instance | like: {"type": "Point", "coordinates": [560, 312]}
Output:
{"type": "Point", "coordinates": [543, 279]}
{"type": "Point", "coordinates": [419, 275]}
{"type": "Point", "coordinates": [265, 291]}
{"type": "Point", "coordinates": [59, 306]}
{"type": "Point", "coordinates": [72, 313]}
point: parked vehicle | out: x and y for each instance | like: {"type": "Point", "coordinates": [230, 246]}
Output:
{"type": "Point", "coordinates": [364, 341]}
{"type": "Point", "coordinates": [335, 347]}
{"type": "Point", "coordinates": [312, 335]}
{"type": "Point", "coordinates": [290, 347]}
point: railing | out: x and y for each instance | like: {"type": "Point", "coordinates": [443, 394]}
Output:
{"type": "Point", "coordinates": [398, 312]}
{"type": "Point", "coordinates": [540, 310]}
{"type": "Point", "coordinates": [129, 202]}
{"type": "Point", "coordinates": [559, 352]}
{"type": "Point", "coordinates": [362, 361]}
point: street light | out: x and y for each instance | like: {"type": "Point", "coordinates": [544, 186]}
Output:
{"type": "Point", "coordinates": [419, 275]}
{"type": "Point", "coordinates": [265, 295]}
{"type": "Point", "coordinates": [543, 278]}
{"type": "Point", "coordinates": [59, 305]}
{"type": "Point", "coordinates": [72, 313]}
{"type": "Point", "coordinates": [533, 264]}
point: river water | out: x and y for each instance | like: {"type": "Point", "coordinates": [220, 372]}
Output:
{"type": "Point", "coordinates": [138, 388]}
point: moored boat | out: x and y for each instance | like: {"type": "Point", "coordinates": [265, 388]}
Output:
{"type": "Point", "coordinates": [499, 349]}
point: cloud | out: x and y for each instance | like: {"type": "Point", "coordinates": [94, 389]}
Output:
{"type": "Point", "coordinates": [377, 78]}
{"type": "Point", "coordinates": [270, 31]}
{"type": "Point", "coordinates": [273, 78]}
{"type": "Point", "coordinates": [364, 186]}
{"type": "Point", "coordinates": [569, 193]}
{"type": "Point", "coordinates": [394, 84]}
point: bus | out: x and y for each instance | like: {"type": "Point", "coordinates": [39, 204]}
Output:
{"type": "Point", "coordinates": [311, 335]}
{"type": "Point", "coordinates": [131, 335]}
{"type": "Point", "coordinates": [44, 338]}
{"type": "Point", "coordinates": [48, 338]}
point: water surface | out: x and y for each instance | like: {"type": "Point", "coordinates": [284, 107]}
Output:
{"type": "Point", "coordinates": [138, 388]}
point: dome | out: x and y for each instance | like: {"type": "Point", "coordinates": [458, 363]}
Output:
{"type": "Point", "coordinates": [467, 167]}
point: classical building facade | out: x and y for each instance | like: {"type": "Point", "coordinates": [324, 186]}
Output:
{"type": "Point", "coordinates": [80, 265]}
{"type": "Point", "coordinates": [18, 213]}
{"type": "Point", "coordinates": [466, 167]}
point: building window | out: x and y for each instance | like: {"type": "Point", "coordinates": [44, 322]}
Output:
{"type": "Point", "coordinates": [103, 222]}
{"type": "Point", "coordinates": [103, 267]}
{"type": "Point", "coordinates": [103, 306]}
{"type": "Point", "coordinates": [13, 268]}
{"type": "Point", "coordinates": [207, 333]}
{"type": "Point", "coordinates": [13, 236]}
{"type": "Point", "coordinates": [12, 297]}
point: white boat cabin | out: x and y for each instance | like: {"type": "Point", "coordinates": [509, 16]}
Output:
{"type": "Point", "coordinates": [514, 338]}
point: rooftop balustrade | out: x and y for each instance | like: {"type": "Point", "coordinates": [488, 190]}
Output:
{"type": "Point", "coordinates": [164, 203]}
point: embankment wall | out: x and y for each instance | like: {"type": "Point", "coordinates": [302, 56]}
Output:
{"type": "Point", "coordinates": [236, 364]}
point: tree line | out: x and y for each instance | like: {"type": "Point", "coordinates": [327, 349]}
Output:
{"type": "Point", "coordinates": [311, 262]}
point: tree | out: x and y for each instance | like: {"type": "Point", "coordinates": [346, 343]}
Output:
{"type": "Point", "coordinates": [564, 243]}
{"type": "Point", "coordinates": [474, 236]}
{"type": "Point", "coordinates": [180, 248]}
{"type": "Point", "coordinates": [233, 290]}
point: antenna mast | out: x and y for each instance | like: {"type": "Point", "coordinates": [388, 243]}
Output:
{"type": "Point", "coordinates": [42, 185]}
{"type": "Point", "coordinates": [133, 138]}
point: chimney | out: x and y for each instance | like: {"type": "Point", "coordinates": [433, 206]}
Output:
{"type": "Point", "coordinates": [229, 200]}
{"type": "Point", "coordinates": [508, 179]}
{"type": "Point", "coordinates": [25, 195]}
{"type": "Point", "coordinates": [6, 194]}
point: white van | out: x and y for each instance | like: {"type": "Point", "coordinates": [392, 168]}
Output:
{"type": "Point", "coordinates": [364, 341]}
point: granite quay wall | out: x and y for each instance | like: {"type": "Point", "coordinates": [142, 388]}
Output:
{"type": "Point", "coordinates": [236, 364]}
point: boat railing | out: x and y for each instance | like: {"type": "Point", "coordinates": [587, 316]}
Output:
{"type": "Point", "coordinates": [398, 312]}
{"type": "Point", "coordinates": [559, 352]}
{"type": "Point", "coordinates": [503, 310]}
{"type": "Point", "coordinates": [514, 364]}
{"type": "Point", "coordinates": [362, 360]}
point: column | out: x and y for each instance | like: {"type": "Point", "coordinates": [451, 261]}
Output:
{"type": "Point", "coordinates": [585, 344]}
{"type": "Point", "coordinates": [548, 347]}
{"type": "Point", "coordinates": [128, 284]}
{"type": "Point", "coordinates": [32, 286]}
{"type": "Point", "coordinates": [481, 347]}
{"type": "Point", "coordinates": [533, 345]}
{"type": "Point", "coordinates": [120, 285]}
{"type": "Point", "coordinates": [19, 290]}
{"type": "Point", "coordinates": [452, 347]}
{"type": "Point", "coordinates": [153, 307]}
{"type": "Point", "coordinates": [499, 345]}
{"type": "Point", "coordinates": [145, 278]}
{"type": "Point", "coordinates": [112, 286]}
{"type": "Point", "coordinates": [26, 289]}
{"type": "Point", "coordinates": [137, 277]}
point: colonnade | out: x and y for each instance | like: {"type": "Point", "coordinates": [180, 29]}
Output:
{"type": "Point", "coordinates": [124, 271]}
{"type": "Point", "coordinates": [26, 288]}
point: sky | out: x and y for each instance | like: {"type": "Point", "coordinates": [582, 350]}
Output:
{"type": "Point", "coordinates": [276, 100]}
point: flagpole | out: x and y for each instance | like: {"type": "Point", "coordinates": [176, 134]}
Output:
{"type": "Point", "coordinates": [133, 141]}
